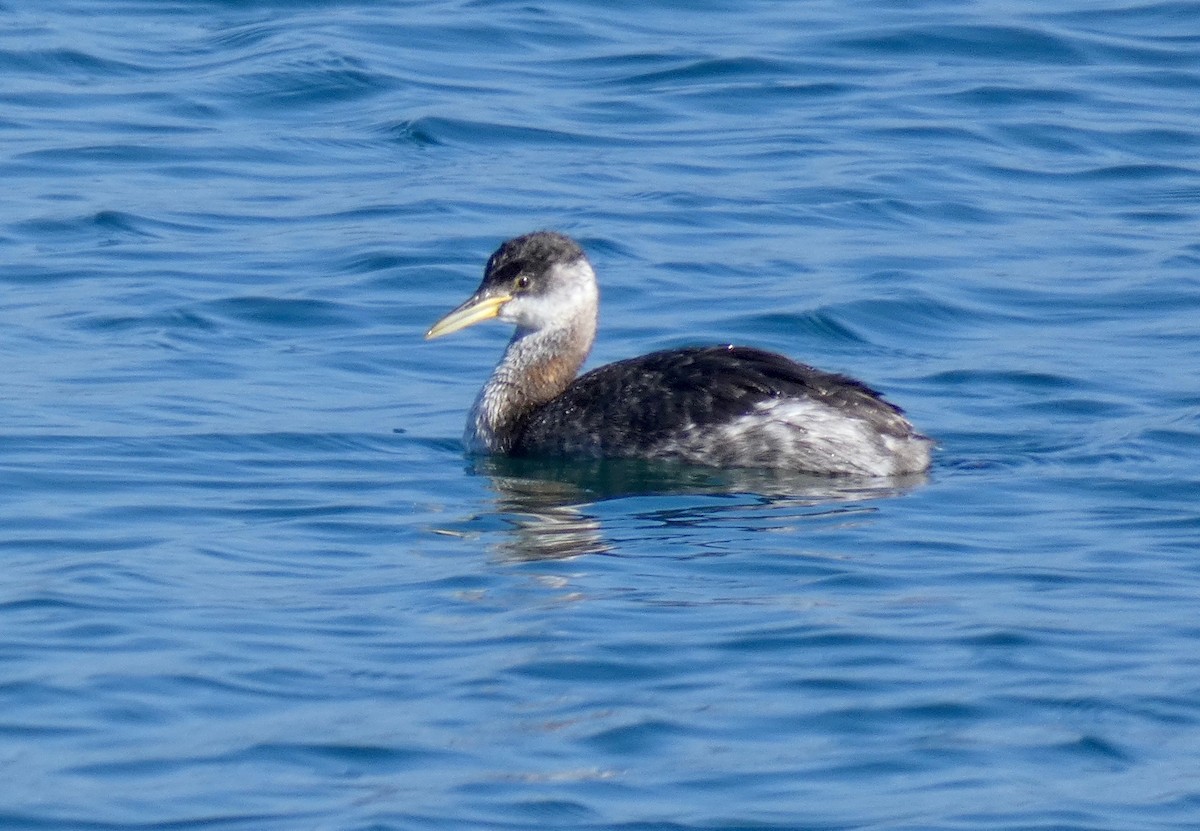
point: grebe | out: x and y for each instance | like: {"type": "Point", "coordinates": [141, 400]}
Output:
{"type": "Point", "coordinates": [729, 406]}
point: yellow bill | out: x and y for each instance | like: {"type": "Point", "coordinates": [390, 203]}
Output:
{"type": "Point", "coordinates": [475, 310]}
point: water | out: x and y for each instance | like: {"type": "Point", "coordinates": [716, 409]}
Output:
{"type": "Point", "coordinates": [251, 582]}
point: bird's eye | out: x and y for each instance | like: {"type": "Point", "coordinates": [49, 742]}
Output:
{"type": "Point", "coordinates": [522, 282]}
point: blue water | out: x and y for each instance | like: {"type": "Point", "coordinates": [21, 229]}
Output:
{"type": "Point", "coordinates": [250, 581]}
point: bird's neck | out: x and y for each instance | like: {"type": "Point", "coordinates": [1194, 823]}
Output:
{"type": "Point", "coordinates": [537, 366]}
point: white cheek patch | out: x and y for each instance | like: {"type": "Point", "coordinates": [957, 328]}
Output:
{"type": "Point", "coordinates": [532, 313]}
{"type": "Point", "coordinates": [573, 293]}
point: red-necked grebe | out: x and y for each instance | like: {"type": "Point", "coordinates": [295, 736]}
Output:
{"type": "Point", "coordinates": [730, 406]}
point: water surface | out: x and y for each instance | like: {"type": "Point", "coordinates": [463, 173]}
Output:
{"type": "Point", "coordinates": [252, 582]}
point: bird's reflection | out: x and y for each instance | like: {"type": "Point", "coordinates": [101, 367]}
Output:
{"type": "Point", "coordinates": [548, 503]}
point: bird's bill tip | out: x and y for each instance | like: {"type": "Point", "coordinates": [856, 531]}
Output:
{"type": "Point", "coordinates": [475, 310]}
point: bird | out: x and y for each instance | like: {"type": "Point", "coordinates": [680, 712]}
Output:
{"type": "Point", "coordinates": [720, 405]}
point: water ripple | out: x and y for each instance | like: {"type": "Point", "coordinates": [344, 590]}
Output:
{"type": "Point", "coordinates": [252, 582]}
